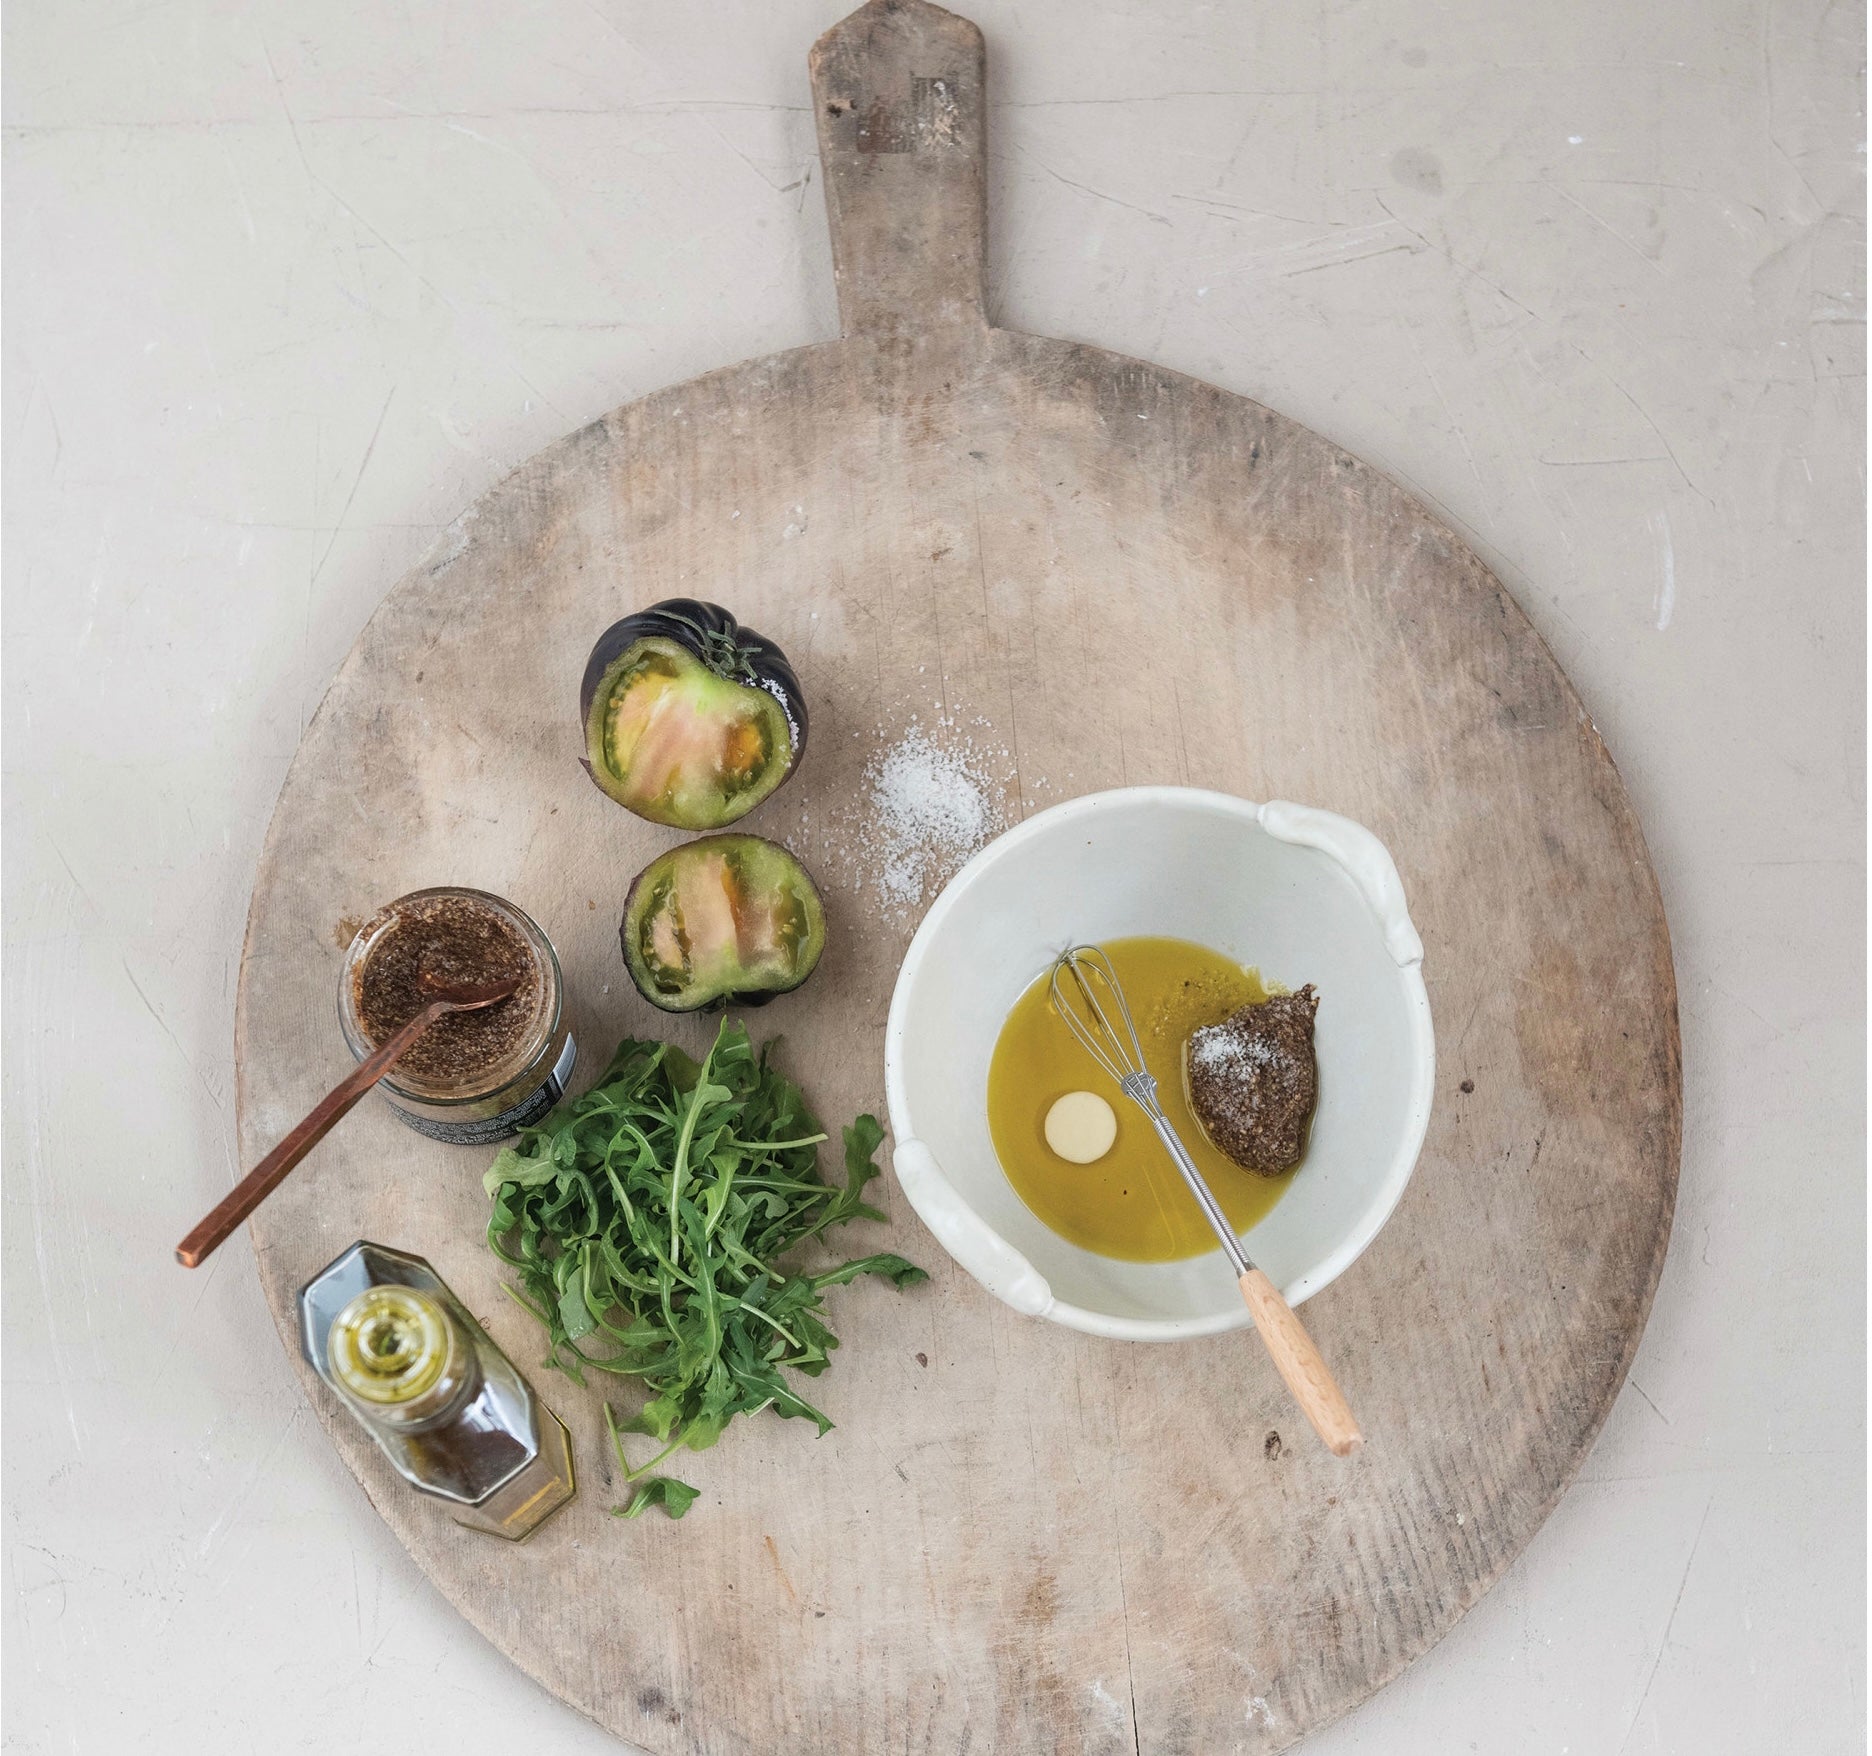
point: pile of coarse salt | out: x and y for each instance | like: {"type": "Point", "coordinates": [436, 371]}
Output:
{"type": "Point", "coordinates": [1219, 1050]}
{"type": "Point", "coordinates": [929, 804]}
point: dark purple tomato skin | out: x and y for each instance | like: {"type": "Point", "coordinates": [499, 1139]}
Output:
{"type": "Point", "coordinates": [712, 635]}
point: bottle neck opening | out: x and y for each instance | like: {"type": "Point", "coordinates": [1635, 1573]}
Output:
{"type": "Point", "coordinates": [399, 1356]}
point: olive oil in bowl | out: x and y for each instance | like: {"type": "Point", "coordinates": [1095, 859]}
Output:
{"type": "Point", "coordinates": [1131, 1203]}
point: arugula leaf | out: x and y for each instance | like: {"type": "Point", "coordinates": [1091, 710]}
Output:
{"type": "Point", "coordinates": [645, 1222]}
{"type": "Point", "coordinates": [893, 1268]}
{"type": "Point", "coordinates": [673, 1496]}
{"type": "Point", "coordinates": [574, 1313]}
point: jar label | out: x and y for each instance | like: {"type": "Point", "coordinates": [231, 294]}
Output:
{"type": "Point", "coordinates": [510, 1121]}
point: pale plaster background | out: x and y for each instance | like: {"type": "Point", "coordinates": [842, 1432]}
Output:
{"type": "Point", "coordinates": [289, 284]}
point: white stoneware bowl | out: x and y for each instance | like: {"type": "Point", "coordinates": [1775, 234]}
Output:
{"type": "Point", "coordinates": [1302, 895]}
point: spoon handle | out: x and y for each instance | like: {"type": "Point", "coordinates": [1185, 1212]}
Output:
{"type": "Point", "coordinates": [271, 1171]}
{"type": "Point", "coordinates": [1299, 1364]}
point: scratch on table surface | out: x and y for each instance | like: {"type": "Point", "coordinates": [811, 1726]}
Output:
{"type": "Point", "coordinates": [219, 137]}
{"type": "Point", "coordinates": [56, 1578]}
{"type": "Point", "coordinates": [1768, 103]}
{"type": "Point", "coordinates": [421, 279]}
{"type": "Point", "coordinates": [48, 1284]}
{"type": "Point", "coordinates": [1462, 267]}
{"type": "Point", "coordinates": [181, 1328]}
{"type": "Point", "coordinates": [1455, 424]}
{"type": "Point", "coordinates": [1162, 219]}
{"type": "Point", "coordinates": [357, 482]}
{"type": "Point", "coordinates": [77, 883]}
{"type": "Point", "coordinates": [1650, 262]}
{"type": "Point", "coordinates": [1669, 1622]}
{"type": "Point", "coordinates": [1666, 599]}
{"type": "Point", "coordinates": [163, 1024]}
{"type": "Point", "coordinates": [237, 1502]}
{"type": "Point", "coordinates": [279, 92]}
{"type": "Point", "coordinates": [1638, 1390]}
{"type": "Point", "coordinates": [1218, 208]}
{"type": "Point", "coordinates": [1156, 97]}
{"type": "Point", "coordinates": [1334, 246]}
{"type": "Point", "coordinates": [37, 397]}
{"type": "Point", "coordinates": [397, 112]}
{"type": "Point", "coordinates": [1644, 415]}
{"type": "Point", "coordinates": [1356, 256]}
{"type": "Point", "coordinates": [1599, 462]}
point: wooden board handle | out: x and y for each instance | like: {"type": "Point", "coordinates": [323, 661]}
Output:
{"type": "Point", "coordinates": [898, 88]}
{"type": "Point", "coordinates": [1298, 1362]}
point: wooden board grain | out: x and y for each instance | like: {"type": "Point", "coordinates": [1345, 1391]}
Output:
{"type": "Point", "coordinates": [1018, 1538]}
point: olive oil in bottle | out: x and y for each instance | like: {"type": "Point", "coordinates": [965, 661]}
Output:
{"type": "Point", "coordinates": [426, 1381]}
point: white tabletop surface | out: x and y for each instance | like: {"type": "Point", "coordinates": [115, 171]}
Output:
{"type": "Point", "coordinates": [287, 285]}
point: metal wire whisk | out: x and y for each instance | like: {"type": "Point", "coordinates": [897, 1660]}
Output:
{"type": "Point", "coordinates": [1088, 996]}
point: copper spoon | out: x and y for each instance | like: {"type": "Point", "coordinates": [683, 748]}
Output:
{"type": "Point", "coordinates": [271, 1171]}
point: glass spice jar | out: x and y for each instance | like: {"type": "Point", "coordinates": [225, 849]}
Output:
{"type": "Point", "coordinates": [427, 1382]}
{"type": "Point", "coordinates": [472, 1078]}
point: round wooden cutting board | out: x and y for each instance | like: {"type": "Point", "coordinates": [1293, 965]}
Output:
{"type": "Point", "coordinates": [1018, 1539]}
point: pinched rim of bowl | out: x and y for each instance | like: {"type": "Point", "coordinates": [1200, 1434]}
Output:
{"type": "Point", "coordinates": [991, 1259]}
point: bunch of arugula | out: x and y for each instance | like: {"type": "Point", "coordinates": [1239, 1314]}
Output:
{"type": "Point", "coordinates": [646, 1221]}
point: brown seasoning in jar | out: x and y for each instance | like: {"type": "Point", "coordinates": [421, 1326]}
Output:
{"type": "Point", "coordinates": [1253, 1081]}
{"type": "Point", "coordinates": [458, 942]}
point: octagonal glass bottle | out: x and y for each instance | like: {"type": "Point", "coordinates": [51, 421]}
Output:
{"type": "Point", "coordinates": [426, 1381]}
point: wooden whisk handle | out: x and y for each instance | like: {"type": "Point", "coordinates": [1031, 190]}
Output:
{"type": "Point", "coordinates": [1299, 1364]}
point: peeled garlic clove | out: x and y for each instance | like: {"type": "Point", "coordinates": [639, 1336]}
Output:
{"type": "Point", "coordinates": [1080, 1127]}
